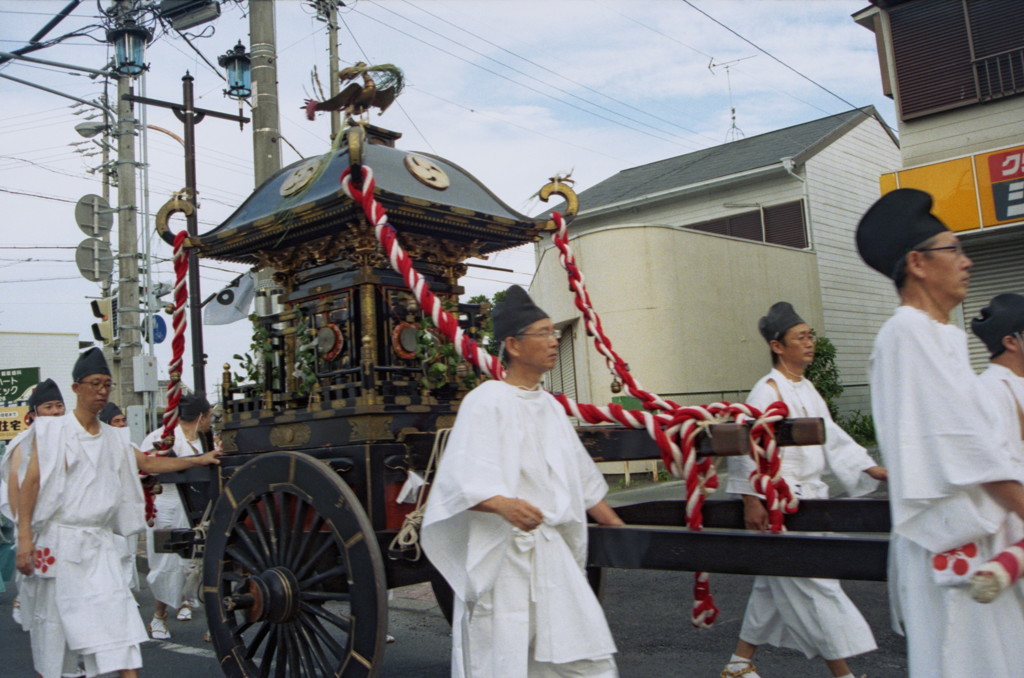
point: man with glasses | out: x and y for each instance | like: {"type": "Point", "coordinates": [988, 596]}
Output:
{"type": "Point", "coordinates": [506, 521]}
{"type": "Point", "coordinates": [80, 490]}
{"type": "Point", "coordinates": [814, 616]}
{"type": "Point", "coordinates": [953, 482]}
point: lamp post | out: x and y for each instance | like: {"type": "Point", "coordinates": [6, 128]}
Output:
{"type": "Point", "coordinates": [190, 116]}
{"type": "Point", "coordinates": [129, 40]}
{"type": "Point", "coordinates": [238, 64]}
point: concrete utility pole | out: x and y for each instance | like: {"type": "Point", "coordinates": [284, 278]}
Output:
{"type": "Point", "coordinates": [332, 37]}
{"type": "Point", "coordinates": [127, 246]}
{"type": "Point", "coordinates": [266, 124]}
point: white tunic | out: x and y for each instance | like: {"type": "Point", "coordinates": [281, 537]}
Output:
{"type": "Point", "coordinates": [89, 492]}
{"type": "Point", "coordinates": [814, 616]}
{"type": "Point", "coordinates": [520, 597]}
{"type": "Point", "coordinates": [168, 571]}
{"type": "Point", "coordinates": [940, 442]}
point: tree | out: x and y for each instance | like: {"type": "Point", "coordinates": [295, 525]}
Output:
{"type": "Point", "coordinates": [824, 374]}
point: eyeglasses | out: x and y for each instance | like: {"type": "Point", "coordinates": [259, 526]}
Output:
{"type": "Point", "coordinates": [97, 385]}
{"type": "Point", "coordinates": [550, 334]}
{"type": "Point", "coordinates": [956, 249]}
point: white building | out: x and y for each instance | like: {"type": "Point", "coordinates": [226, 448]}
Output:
{"type": "Point", "coordinates": [956, 72]}
{"type": "Point", "coordinates": [683, 255]}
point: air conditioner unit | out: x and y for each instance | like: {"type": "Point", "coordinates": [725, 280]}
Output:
{"type": "Point", "coordinates": [184, 14]}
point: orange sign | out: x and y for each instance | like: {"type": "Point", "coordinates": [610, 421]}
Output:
{"type": "Point", "coordinates": [972, 192]}
{"type": "Point", "coordinates": [12, 421]}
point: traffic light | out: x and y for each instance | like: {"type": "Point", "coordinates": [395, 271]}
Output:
{"type": "Point", "coordinates": [104, 308]}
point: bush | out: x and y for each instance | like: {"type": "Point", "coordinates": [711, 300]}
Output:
{"type": "Point", "coordinates": [824, 374]}
{"type": "Point", "coordinates": [860, 426]}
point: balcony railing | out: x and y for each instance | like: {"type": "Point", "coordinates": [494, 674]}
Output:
{"type": "Point", "coordinates": [1000, 75]}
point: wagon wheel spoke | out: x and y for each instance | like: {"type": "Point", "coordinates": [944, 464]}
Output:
{"type": "Point", "coordinates": [315, 558]}
{"type": "Point", "coordinates": [326, 574]}
{"type": "Point", "coordinates": [341, 622]}
{"type": "Point", "coordinates": [312, 642]}
{"type": "Point", "coordinates": [297, 544]}
{"type": "Point", "coordinates": [300, 555]}
{"type": "Point", "coordinates": [325, 637]}
{"type": "Point", "coordinates": [259, 528]}
{"type": "Point", "coordinates": [324, 597]}
{"type": "Point", "coordinates": [257, 640]}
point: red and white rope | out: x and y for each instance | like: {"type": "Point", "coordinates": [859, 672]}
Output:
{"type": "Point", "coordinates": [675, 428]}
{"type": "Point", "coordinates": [998, 574]}
{"type": "Point", "coordinates": [178, 325]}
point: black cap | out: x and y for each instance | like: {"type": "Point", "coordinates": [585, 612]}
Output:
{"type": "Point", "coordinates": [88, 363]}
{"type": "Point", "coordinates": [192, 405]}
{"type": "Point", "coordinates": [780, 318]}
{"type": "Point", "coordinates": [898, 222]}
{"type": "Point", "coordinates": [515, 313]}
{"type": "Point", "coordinates": [1003, 316]}
{"type": "Point", "coordinates": [109, 411]}
{"type": "Point", "coordinates": [44, 392]}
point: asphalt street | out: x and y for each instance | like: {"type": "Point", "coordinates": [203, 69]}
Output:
{"type": "Point", "coordinates": [648, 612]}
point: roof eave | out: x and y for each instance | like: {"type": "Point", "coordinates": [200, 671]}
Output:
{"type": "Point", "coordinates": [680, 191]}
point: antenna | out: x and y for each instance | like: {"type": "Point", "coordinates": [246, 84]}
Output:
{"type": "Point", "coordinates": [734, 132]}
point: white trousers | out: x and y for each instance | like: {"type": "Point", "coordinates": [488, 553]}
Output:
{"type": "Point", "coordinates": [497, 641]}
{"type": "Point", "coordinates": [949, 635]}
{"type": "Point", "coordinates": [50, 653]}
{"type": "Point", "coordinates": [167, 574]}
{"type": "Point", "coordinates": [814, 616]}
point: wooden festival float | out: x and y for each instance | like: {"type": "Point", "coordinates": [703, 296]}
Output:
{"type": "Point", "coordinates": [304, 536]}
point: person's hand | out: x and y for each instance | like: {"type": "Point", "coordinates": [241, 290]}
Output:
{"type": "Point", "coordinates": [520, 513]}
{"type": "Point", "coordinates": [25, 556]}
{"type": "Point", "coordinates": [209, 458]}
{"type": "Point", "coordinates": [755, 515]}
{"type": "Point", "coordinates": [878, 472]}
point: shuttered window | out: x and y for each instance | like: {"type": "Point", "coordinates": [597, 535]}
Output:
{"type": "Point", "coordinates": [953, 53]}
{"type": "Point", "coordinates": [562, 379]}
{"type": "Point", "coordinates": [777, 224]}
{"type": "Point", "coordinates": [784, 225]}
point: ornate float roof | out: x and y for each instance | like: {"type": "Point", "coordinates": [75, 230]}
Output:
{"type": "Point", "coordinates": [424, 195]}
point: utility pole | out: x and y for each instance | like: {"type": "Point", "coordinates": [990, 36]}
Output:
{"type": "Point", "coordinates": [127, 247]}
{"type": "Point", "coordinates": [332, 37]}
{"type": "Point", "coordinates": [266, 124]}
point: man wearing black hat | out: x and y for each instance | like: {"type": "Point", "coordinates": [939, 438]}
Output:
{"type": "Point", "coordinates": [506, 521]}
{"type": "Point", "coordinates": [112, 415]}
{"type": "Point", "coordinates": [1000, 326]}
{"type": "Point", "coordinates": [814, 616]}
{"type": "Point", "coordinates": [168, 571]}
{"type": "Point", "coordinates": [80, 490]}
{"type": "Point", "coordinates": [45, 401]}
{"type": "Point", "coordinates": [952, 480]}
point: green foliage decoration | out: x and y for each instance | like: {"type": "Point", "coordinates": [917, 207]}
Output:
{"type": "Point", "coordinates": [824, 374]}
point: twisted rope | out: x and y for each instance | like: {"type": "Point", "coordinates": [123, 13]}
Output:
{"type": "Point", "coordinates": [675, 428]}
{"type": "Point", "coordinates": [178, 324]}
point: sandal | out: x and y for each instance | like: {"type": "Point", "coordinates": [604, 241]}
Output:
{"type": "Point", "coordinates": [745, 669]}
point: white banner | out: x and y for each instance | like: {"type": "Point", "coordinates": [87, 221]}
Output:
{"type": "Point", "coordinates": [231, 303]}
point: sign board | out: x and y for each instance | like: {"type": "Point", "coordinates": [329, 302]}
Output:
{"type": "Point", "coordinates": [17, 382]}
{"type": "Point", "coordinates": [95, 259]}
{"type": "Point", "coordinates": [977, 191]}
{"type": "Point", "coordinates": [93, 215]}
{"type": "Point", "coordinates": [12, 421]}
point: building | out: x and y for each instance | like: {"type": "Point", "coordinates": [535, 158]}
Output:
{"type": "Point", "coordinates": [684, 255]}
{"type": "Point", "coordinates": [955, 69]}
{"type": "Point", "coordinates": [27, 359]}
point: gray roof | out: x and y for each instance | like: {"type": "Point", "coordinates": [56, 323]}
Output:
{"type": "Point", "coordinates": [798, 142]}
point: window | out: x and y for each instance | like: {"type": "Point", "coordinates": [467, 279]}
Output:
{"type": "Point", "coordinates": [777, 224]}
{"type": "Point", "coordinates": [953, 53]}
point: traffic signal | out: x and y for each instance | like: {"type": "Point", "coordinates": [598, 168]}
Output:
{"type": "Point", "coordinates": [104, 308]}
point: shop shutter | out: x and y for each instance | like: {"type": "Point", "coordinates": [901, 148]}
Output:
{"type": "Point", "coordinates": [562, 379]}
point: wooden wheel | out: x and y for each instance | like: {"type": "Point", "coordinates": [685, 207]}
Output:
{"type": "Point", "coordinates": [293, 579]}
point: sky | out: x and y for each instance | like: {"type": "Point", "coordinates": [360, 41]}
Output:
{"type": "Point", "coordinates": [513, 91]}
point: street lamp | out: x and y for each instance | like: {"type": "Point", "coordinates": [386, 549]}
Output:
{"type": "Point", "coordinates": [129, 40]}
{"type": "Point", "coordinates": [237, 63]}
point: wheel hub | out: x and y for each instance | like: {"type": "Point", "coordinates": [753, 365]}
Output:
{"type": "Point", "coordinates": [273, 595]}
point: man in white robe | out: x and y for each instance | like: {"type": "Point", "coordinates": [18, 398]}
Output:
{"type": "Point", "coordinates": [46, 400]}
{"type": "Point", "coordinates": [814, 616]}
{"type": "Point", "coordinates": [1000, 326]}
{"type": "Point", "coordinates": [168, 571]}
{"type": "Point", "coordinates": [952, 479]}
{"type": "Point", "coordinates": [506, 520]}
{"type": "Point", "coordinates": [80, 488]}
